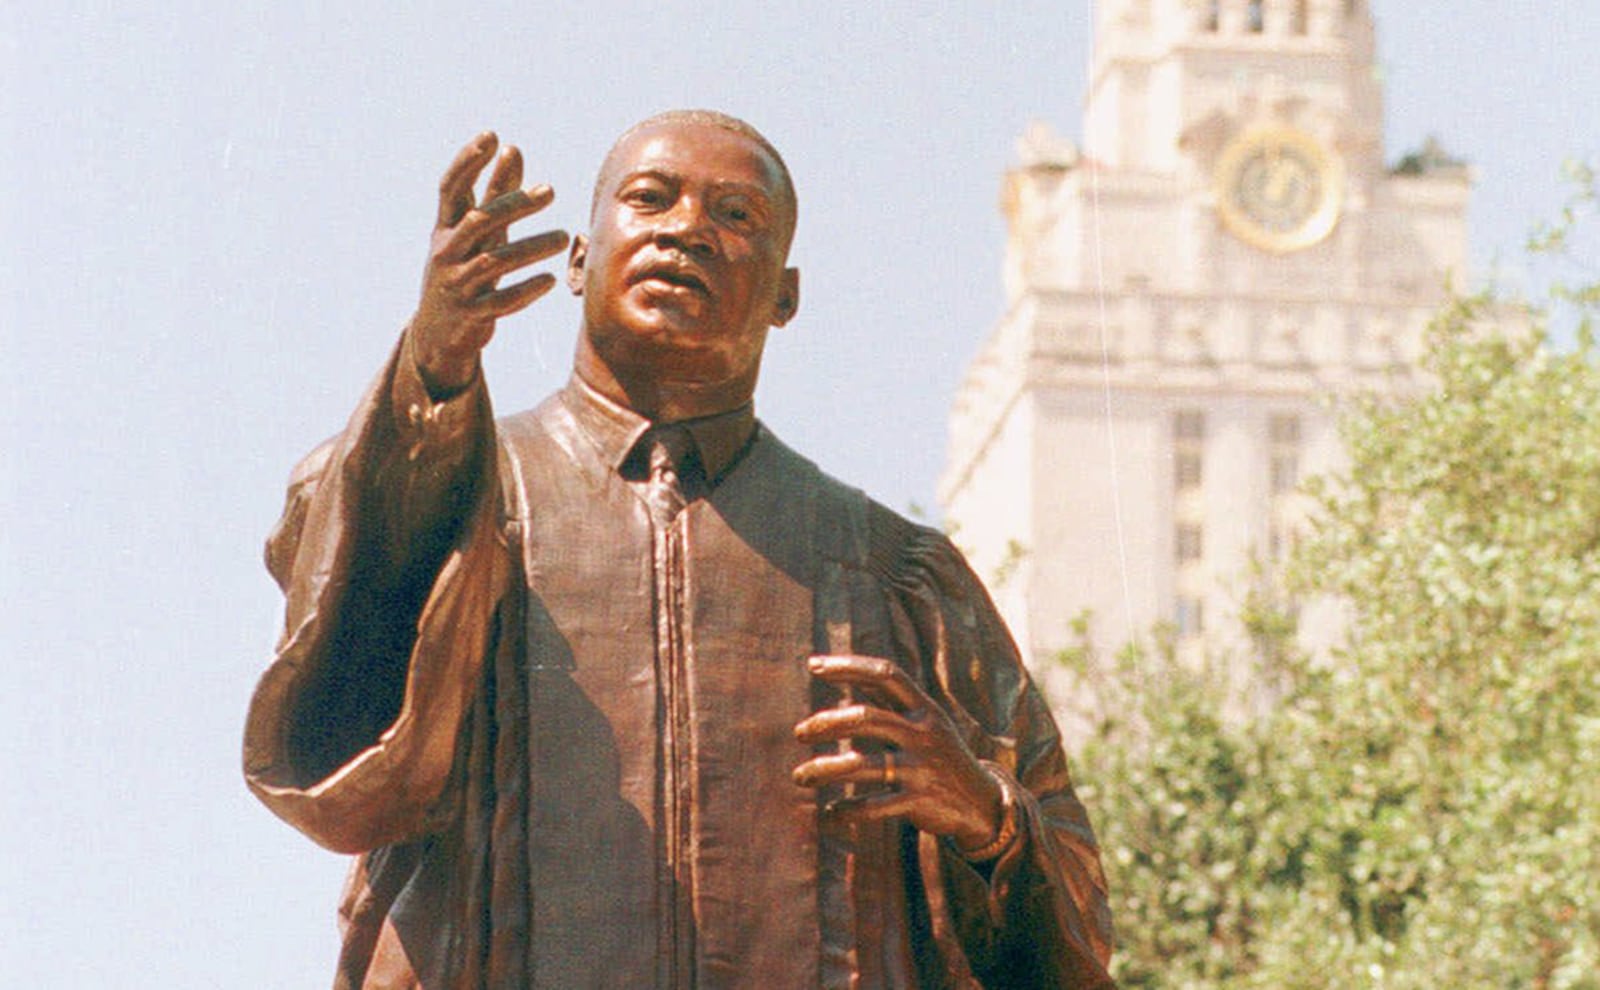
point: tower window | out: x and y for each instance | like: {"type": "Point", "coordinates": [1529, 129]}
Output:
{"type": "Point", "coordinates": [1285, 472]}
{"type": "Point", "coordinates": [1283, 431]}
{"type": "Point", "coordinates": [1188, 443]}
{"type": "Point", "coordinates": [1298, 18]}
{"type": "Point", "coordinates": [1213, 15]}
{"type": "Point", "coordinates": [1255, 17]}
{"type": "Point", "coordinates": [1190, 547]}
{"type": "Point", "coordinates": [1189, 424]}
{"type": "Point", "coordinates": [1186, 470]}
{"type": "Point", "coordinates": [1188, 616]}
{"type": "Point", "coordinates": [1281, 541]}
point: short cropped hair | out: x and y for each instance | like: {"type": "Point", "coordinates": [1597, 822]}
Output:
{"type": "Point", "coordinates": [707, 118]}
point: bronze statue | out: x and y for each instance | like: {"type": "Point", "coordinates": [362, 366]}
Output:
{"type": "Point", "coordinates": [622, 692]}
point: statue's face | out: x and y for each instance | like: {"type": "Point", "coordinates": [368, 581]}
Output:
{"type": "Point", "coordinates": [682, 271]}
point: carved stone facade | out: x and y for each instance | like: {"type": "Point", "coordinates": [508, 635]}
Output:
{"type": "Point", "coordinates": [1228, 250]}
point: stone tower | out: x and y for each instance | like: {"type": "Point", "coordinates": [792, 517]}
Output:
{"type": "Point", "coordinates": [1229, 248]}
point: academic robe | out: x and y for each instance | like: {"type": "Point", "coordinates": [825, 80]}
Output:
{"type": "Point", "coordinates": [560, 733]}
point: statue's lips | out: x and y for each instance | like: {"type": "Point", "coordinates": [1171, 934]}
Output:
{"type": "Point", "coordinates": [677, 276]}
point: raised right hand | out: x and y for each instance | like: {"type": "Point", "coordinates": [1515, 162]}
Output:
{"type": "Point", "coordinates": [470, 251]}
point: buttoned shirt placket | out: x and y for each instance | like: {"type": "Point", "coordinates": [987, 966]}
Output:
{"type": "Point", "coordinates": [665, 497]}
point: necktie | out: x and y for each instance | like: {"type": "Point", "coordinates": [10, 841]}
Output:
{"type": "Point", "coordinates": [664, 489]}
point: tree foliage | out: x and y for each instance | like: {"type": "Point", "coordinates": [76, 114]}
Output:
{"type": "Point", "coordinates": [1422, 808]}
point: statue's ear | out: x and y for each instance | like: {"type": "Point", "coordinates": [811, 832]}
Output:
{"type": "Point", "coordinates": [576, 257]}
{"type": "Point", "coordinates": [788, 301]}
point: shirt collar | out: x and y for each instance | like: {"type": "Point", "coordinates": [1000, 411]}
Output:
{"type": "Point", "coordinates": [616, 429]}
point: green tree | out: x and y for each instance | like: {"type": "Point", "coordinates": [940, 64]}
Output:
{"type": "Point", "coordinates": [1421, 809]}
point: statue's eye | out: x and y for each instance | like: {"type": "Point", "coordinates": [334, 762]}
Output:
{"type": "Point", "coordinates": [740, 213]}
{"type": "Point", "coordinates": [648, 196]}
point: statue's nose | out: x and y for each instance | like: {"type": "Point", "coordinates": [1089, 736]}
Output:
{"type": "Point", "coordinates": [688, 228]}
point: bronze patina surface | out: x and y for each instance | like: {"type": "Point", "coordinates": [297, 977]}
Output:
{"type": "Point", "coordinates": [621, 691]}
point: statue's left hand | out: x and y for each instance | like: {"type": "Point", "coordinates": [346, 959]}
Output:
{"type": "Point", "coordinates": [936, 782]}
{"type": "Point", "coordinates": [470, 251]}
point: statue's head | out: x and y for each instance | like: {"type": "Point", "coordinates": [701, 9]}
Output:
{"type": "Point", "coordinates": [707, 118]}
{"type": "Point", "coordinates": [684, 268]}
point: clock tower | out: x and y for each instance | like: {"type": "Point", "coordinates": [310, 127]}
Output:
{"type": "Point", "coordinates": [1229, 250]}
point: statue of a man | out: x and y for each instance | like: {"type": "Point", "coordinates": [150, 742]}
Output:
{"type": "Point", "coordinates": [622, 692]}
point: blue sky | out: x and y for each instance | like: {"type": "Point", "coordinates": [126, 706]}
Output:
{"type": "Point", "coordinates": [214, 220]}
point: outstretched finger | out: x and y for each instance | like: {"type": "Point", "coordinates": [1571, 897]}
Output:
{"type": "Point", "coordinates": [484, 269]}
{"type": "Point", "coordinates": [455, 186]}
{"type": "Point", "coordinates": [507, 174]}
{"type": "Point", "coordinates": [504, 302]}
{"type": "Point", "coordinates": [879, 677]}
{"type": "Point", "coordinates": [482, 225]}
{"type": "Point", "coordinates": [506, 177]}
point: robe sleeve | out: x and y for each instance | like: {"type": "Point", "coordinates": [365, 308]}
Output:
{"type": "Point", "coordinates": [1038, 915]}
{"type": "Point", "coordinates": [392, 565]}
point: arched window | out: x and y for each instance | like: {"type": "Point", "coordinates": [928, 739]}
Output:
{"type": "Point", "coordinates": [1255, 18]}
{"type": "Point", "coordinates": [1298, 17]}
{"type": "Point", "coordinates": [1213, 15]}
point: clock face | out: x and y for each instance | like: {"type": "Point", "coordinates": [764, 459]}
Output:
{"type": "Point", "coordinates": [1278, 190]}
